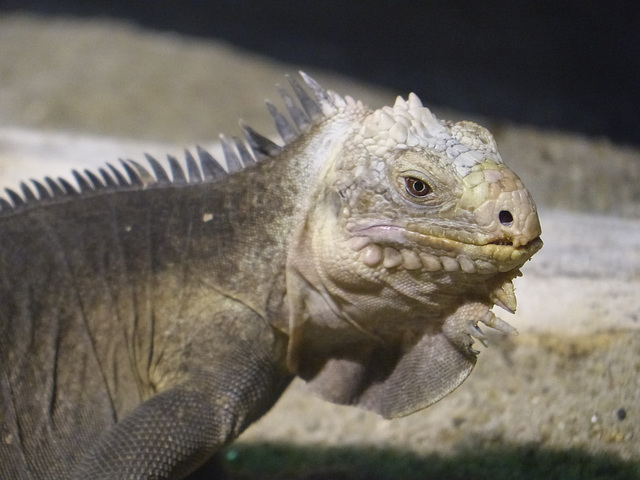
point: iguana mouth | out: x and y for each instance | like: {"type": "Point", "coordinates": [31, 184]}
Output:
{"type": "Point", "coordinates": [504, 241]}
{"type": "Point", "coordinates": [395, 233]}
{"type": "Point", "coordinates": [501, 250]}
{"type": "Point", "coordinates": [501, 253]}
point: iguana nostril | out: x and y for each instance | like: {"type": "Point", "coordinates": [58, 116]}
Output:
{"type": "Point", "coordinates": [506, 218]}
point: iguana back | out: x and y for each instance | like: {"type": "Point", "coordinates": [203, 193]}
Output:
{"type": "Point", "coordinates": [97, 299]}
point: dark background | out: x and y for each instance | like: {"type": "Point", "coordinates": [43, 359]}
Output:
{"type": "Point", "coordinates": [572, 65]}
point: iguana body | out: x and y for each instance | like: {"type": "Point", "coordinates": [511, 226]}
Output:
{"type": "Point", "coordinates": [145, 322]}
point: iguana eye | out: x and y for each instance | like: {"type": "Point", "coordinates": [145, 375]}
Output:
{"type": "Point", "coordinates": [416, 187]}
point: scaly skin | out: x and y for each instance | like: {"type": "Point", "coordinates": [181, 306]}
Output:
{"type": "Point", "coordinates": [144, 323]}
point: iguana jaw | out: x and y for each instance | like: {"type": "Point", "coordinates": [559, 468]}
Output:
{"type": "Point", "coordinates": [419, 248]}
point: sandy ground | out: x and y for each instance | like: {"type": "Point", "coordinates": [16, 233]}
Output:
{"type": "Point", "coordinates": [566, 391]}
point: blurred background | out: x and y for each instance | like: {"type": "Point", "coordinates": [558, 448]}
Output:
{"type": "Point", "coordinates": [570, 65]}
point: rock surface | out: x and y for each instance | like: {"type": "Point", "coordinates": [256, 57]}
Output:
{"type": "Point", "coordinates": [564, 394]}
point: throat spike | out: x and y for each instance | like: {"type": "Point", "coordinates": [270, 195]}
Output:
{"type": "Point", "coordinates": [505, 296]}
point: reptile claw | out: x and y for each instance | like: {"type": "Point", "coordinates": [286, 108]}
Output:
{"type": "Point", "coordinates": [475, 332]}
{"type": "Point", "coordinates": [498, 324]}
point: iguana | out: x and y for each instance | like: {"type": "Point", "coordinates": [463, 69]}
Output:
{"type": "Point", "coordinates": [147, 319]}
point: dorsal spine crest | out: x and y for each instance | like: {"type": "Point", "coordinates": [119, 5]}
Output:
{"type": "Point", "coordinates": [311, 108]}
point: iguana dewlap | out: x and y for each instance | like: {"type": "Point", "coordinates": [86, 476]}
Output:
{"type": "Point", "coordinates": [148, 317]}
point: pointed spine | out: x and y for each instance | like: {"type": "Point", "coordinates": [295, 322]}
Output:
{"type": "Point", "coordinates": [322, 96]}
{"type": "Point", "coordinates": [300, 119]}
{"type": "Point", "coordinates": [119, 178]}
{"type": "Point", "coordinates": [145, 176]}
{"type": "Point", "coordinates": [285, 129]}
{"type": "Point", "coordinates": [29, 196]}
{"type": "Point", "coordinates": [17, 200]}
{"type": "Point", "coordinates": [67, 187]}
{"type": "Point", "coordinates": [177, 173]}
{"type": "Point", "coordinates": [82, 182]}
{"type": "Point", "coordinates": [230, 157]}
{"type": "Point", "coordinates": [55, 188]}
{"type": "Point", "coordinates": [160, 173]}
{"type": "Point", "coordinates": [311, 107]}
{"type": "Point", "coordinates": [43, 193]}
{"type": "Point", "coordinates": [243, 151]}
{"type": "Point", "coordinates": [192, 167]}
{"type": "Point", "coordinates": [109, 182]}
{"type": "Point", "coordinates": [262, 147]}
{"type": "Point", "coordinates": [94, 179]}
{"type": "Point", "coordinates": [210, 167]}
{"type": "Point", "coordinates": [134, 178]}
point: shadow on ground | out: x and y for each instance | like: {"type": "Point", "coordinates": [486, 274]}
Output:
{"type": "Point", "coordinates": [291, 462]}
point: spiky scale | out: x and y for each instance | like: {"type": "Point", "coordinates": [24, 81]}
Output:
{"type": "Point", "coordinates": [505, 296]}
{"type": "Point", "coordinates": [145, 176]}
{"type": "Point", "coordinates": [119, 178]}
{"type": "Point", "coordinates": [43, 193]}
{"type": "Point", "coordinates": [82, 182]}
{"type": "Point", "coordinates": [161, 175]}
{"type": "Point", "coordinates": [17, 200]}
{"type": "Point", "coordinates": [56, 190]}
{"type": "Point", "coordinates": [133, 175]}
{"type": "Point", "coordinates": [192, 168]}
{"type": "Point", "coordinates": [177, 173]}
{"type": "Point", "coordinates": [29, 196]}
{"type": "Point", "coordinates": [228, 149]}
{"type": "Point", "coordinates": [94, 179]}
{"type": "Point", "coordinates": [300, 119]}
{"type": "Point", "coordinates": [109, 182]}
{"type": "Point", "coordinates": [67, 187]}
{"type": "Point", "coordinates": [325, 102]}
{"type": "Point", "coordinates": [210, 167]}
{"type": "Point", "coordinates": [285, 129]}
{"type": "Point", "coordinates": [243, 151]}
{"type": "Point", "coordinates": [261, 146]}
{"type": "Point", "coordinates": [311, 107]}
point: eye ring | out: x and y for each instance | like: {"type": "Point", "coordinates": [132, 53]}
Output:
{"type": "Point", "coordinates": [417, 187]}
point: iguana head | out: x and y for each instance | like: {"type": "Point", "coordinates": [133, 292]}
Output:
{"type": "Point", "coordinates": [439, 190]}
{"type": "Point", "coordinates": [416, 230]}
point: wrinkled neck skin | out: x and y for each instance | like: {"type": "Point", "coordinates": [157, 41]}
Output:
{"type": "Point", "coordinates": [376, 288]}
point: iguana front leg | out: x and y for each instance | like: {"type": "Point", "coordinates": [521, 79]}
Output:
{"type": "Point", "coordinates": [174, 432]}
